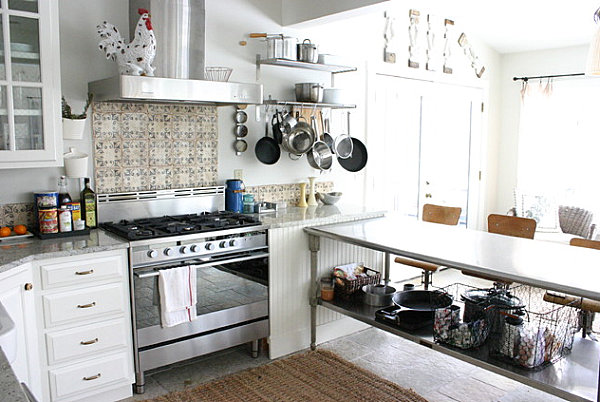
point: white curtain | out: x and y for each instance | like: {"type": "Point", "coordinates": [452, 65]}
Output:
{"type": "Point", "coordinates": [559, 141]}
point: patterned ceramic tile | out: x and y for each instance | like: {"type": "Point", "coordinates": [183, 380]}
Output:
{"type": "Point", "coordinates": [18, 213]}
{"type": "Point", "coordinates": [289, 193]}
{"type": "Point", "coordinates": [134, 126]}
{"type": "Point", "coordinates": [109, 180]}
{"type": "Point", "coordinates": [154, 146]}
{"type": "Point", "coordinates": [159, 126]}
{"type": "Point", "coordinates": [134, 153]}
{"type": "Point", "coordinates": [108, 153]}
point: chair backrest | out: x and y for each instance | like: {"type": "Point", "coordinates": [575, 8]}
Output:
{"type": "Point", "coordinates": [511, 226]}
{"type": "Point", "coordinates": [585, 243]}
{"type": "Point", "coordinates": [575, 220]}
{"type": "Point", "coordinates": [439, 214]}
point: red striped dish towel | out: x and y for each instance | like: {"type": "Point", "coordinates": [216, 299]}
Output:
{"type": "Point", "coordinates": [177, 289]}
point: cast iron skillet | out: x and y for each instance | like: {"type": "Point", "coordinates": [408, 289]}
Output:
{"type": "Point", "coordinates": [422, 300]}
{"type": "Point", "coordinates": [267, 149]}
{"type": "Point", "coordinates": [358, 160]}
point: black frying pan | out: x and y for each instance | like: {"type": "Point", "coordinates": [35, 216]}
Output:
{"type": "Point", "coordinates": [267, 149]}
{"type": "Point", "coordinates": [358, 160]}
{"type": "Point", "coordinates": [422, 300]}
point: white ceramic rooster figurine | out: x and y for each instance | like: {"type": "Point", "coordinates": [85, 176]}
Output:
{"type": "Point", "coordinates": [136, 57]}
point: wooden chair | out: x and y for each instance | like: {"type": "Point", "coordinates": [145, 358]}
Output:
{"type": "Point", "coordinates": [435, 214]}
{"type": "Point", "coordinates": [509, 226]}
{"type": "Point", "coordinates": [588, 307]}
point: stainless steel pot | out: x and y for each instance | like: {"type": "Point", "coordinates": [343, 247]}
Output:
{"type": "Point", "coordinates": [378, 295]}
{"type": "Point", "coordinates": [307, 52]}
{"type": "Point", "coordinates": [279, 46]}
{"type": "Point", "coordinates": [309, 92]}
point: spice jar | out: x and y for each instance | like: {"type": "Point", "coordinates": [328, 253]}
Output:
{"type": "Point", "coordinates": [327, 286]}
{"type": "Point", "coordinates": [248, 203]}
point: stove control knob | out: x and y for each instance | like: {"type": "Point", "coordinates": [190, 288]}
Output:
{"type": "Point", "coordinates": [234, 243]}
{"type": "Point", "coordinates": [168, 251]}
{"type": "Point", "coordinates": [183, 249]}
{"type": "Point", "coordinates": [194, 248]}
{"type": "Point", "coordinates": [152, 253]}
{"type": "Point", "coordinates": [209, 246]}
{"type": "Point", "coordinates": [223, 244]}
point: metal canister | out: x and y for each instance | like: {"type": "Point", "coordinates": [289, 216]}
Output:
{"type": "Point", "coordinates": [64, 220]}
{"type": "Point", "coordinates": [48, 220]}
{"type": "Point", "coordinates": [45, 199]}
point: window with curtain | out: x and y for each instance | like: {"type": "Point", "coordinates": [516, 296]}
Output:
{"type": "Point", "coordinates": [559, 143]}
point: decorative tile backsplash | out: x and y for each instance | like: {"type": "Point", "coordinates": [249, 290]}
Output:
{"type": "Point", "coordinates": [289, 193]}
{"type": "Point", "coordinates": [153, 146]}
{"type": "Point", "coordinates": [17, 214]}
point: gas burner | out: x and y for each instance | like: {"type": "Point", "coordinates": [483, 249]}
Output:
{"type": "Point", "coordinates": [149, 228]}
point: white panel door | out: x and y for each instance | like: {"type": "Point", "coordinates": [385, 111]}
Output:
{"type": "Point", "coordinates": [429, 137]}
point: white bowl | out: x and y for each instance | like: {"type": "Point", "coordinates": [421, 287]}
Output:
{"type": "Point", "coordinates": [335, 95]}
{"type": "Point", "coordinates": [330, 198]}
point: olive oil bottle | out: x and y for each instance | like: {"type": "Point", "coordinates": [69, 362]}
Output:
{"type": "Point", "coordinates": [88, 205]}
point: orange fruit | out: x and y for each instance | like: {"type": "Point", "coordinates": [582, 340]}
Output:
{"type": "Point", "coordinates": [20, 229]}
{"type": "Point", "coordinates": [5, 231]}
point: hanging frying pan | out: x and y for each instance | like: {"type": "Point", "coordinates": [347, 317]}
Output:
{"type": "Point", "coordinates": [267, 149]}
{"type": "Point", "coordinates": [358, 160]}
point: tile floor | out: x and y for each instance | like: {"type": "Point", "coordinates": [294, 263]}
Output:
{"type": "Point", "coordinates": [433, 375]}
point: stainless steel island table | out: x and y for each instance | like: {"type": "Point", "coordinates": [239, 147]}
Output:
{"type": "Point", "coordinates": [546, 265]}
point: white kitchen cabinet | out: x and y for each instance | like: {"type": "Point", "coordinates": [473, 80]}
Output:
{"type": "Point", "coordinates": [30, 111]}
{"type": "Point", "coordinates": [85, 315]}
{"type": "Point", "coordinates": [17, 297]}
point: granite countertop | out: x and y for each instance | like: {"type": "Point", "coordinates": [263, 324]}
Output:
{"type": "Point", "coordinates": [9, 384]}
{"type": "Point", "coordinates": [13, 254]}
{"type": "Point", "coordinates": [317, 215]}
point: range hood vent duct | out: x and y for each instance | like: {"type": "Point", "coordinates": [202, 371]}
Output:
{"type": "Point", "coordinates": [180, 30]}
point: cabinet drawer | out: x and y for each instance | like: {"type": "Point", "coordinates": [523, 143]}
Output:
{"type": "Point", "coordinates": [82, 304]}
{"type": "Point", "coordinates": [87, 340]}
{"type": "Point", "coordinates": [80, 378]}
{"type": "Point", "coordinates": [84, 271]}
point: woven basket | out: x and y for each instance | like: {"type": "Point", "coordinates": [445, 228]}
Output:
{"type": "Point", "coordinates": [346, 288]}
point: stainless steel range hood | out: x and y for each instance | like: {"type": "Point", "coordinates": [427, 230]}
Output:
{"type": "Point", "coordinates": [180, 31]}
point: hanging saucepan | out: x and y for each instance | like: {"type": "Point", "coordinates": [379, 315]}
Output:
{"type": "Point", "coordinates": [266, 149]}
{"type": "Point", "coordinates": [320, 156]}
{"type": "Point", "coordinates": [358, 160]}
{"type": "Point", "coordinates": [326, 137]}
{"type": "Point", "coordinates": [422, 300]}
{"type": "Point", "coordinates": [343, 144]}
{"type": "Point", "coordinates": [299, 139]}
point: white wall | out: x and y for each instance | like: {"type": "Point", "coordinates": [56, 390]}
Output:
{"type": "Point", "coordinates": [555, 61]}
{"type": "Point", "coordinates": [228, 22]}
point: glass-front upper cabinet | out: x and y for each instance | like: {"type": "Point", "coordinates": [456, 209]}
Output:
{"type": "Point", "coordinates": [30, 130]}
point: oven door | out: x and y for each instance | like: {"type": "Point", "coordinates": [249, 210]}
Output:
{"type": "Point", "coordinates": [232, 291]}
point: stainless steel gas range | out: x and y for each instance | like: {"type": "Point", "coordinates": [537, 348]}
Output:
{"type": "Point", "coordinates": [172, 228]}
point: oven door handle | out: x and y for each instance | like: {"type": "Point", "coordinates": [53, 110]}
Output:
{"type": "Point", "coordinates": [149, 274]}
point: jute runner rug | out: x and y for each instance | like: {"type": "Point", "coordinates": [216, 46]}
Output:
{"type": "Point", "coordinates": [311, 376]}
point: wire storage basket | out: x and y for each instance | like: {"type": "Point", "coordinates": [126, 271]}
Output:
{"type": "Point", "coordinates": [350, 278]}
{"type": "Point", "coordinates": [540, 335]}
{"type": "Point", "coordinates": [456, 326]}
{"type": "Point", "coordinates": [217, 73]}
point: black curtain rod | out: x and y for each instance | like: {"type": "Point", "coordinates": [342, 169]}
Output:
{"type": "Point", "coordinates": [547, 76]}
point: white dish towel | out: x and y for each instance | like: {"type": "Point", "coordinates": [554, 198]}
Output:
{"type": "Point", "coordinates": [177, 289]}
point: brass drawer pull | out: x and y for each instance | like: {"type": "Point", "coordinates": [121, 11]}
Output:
{"type": "Point", "coordinates": [92, 304]}
{"type": "Point", "coordinates": [89, 342]}
{"type": "Point", "coordinates": [91, 271]}
{"type": "Point", "coordinates": [92, 377]}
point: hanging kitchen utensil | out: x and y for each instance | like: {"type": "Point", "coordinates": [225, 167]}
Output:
{"type": "Point", "coordinates": [276, 124]}
{"type": "Point", "coordinates": [299, 139]}
{"type": "Point", "coordinates": [320, 156]}
{"type": "Point", "coordinates": [241, 130]}
{"type": "Point", "coordinates": [267, 149]}
{"type": "Point", "coordinates": [343, 144]}
{"type": "Point", "coordinates": [358, 160]}
{"type": "Point", "coordinates": [326, 137]}
{"type": "Point", "coordinates": [240, 146]}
